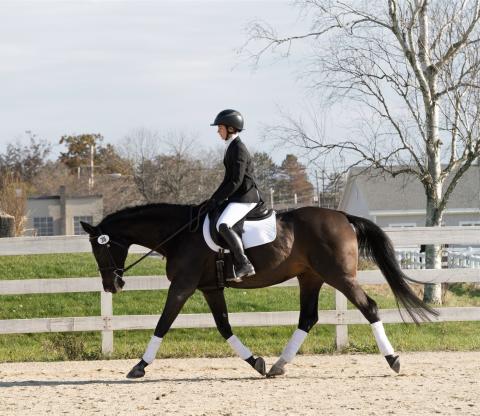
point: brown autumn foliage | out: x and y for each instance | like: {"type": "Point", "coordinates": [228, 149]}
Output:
{"type": "Point", "coordinates": [13, 200]}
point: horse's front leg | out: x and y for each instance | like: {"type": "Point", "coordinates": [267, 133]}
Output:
{"type": "Point", "coordinates": [178, 294]}
{"type": "Point", "coordinates": [218, 306]}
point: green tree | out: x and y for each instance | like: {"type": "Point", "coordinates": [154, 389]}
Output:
{"type": "Point", "coordinates": [79, 153]}
{"type": "Point", "coordinates": [265, 171]}
{"type": "Point", "coordinates": [293, 180]}
{"type": "Point", "coordinates": [79, 149]}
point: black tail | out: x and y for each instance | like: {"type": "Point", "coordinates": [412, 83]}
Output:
{"type": "Point", "coordinates": [375, 245]}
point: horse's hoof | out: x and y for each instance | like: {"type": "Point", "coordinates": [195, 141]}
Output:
{"type": "Point", "coordinates": [260, 366]}
{"type": "Point", "coordinates": [275, 371]}
{"type": "Point", "coordinates": [393, 362]}
{"type": "Point", "coordinates": [138, 371]}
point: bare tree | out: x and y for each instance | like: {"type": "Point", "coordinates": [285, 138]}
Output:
{"type": "Point", "coordinates": [413, 68]}
{"type": "Point", "coordinates": [170, 167]}
{"type": "Point", "coordinates": [25, 160]}
{"type": "Point", "coordinates": [118, 191]}
{"type": "Point", "coordinates": [53, 175]}
{"type": "Point", "coordinates": [140, 147]}
{"type": "Point", "coordinates": [211, 172]}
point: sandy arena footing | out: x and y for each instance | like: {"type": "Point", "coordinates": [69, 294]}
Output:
{"type": "Point", "coordinates": [445, 383]}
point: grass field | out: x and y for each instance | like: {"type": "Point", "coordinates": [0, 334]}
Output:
{"type": "Point", "coordinates": [199, 342]}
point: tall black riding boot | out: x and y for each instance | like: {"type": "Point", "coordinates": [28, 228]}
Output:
{"type": "Point", "coordinates": [243, 267]}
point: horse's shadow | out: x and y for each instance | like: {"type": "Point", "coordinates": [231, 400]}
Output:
{"type": "Point", "coordinates": [41, 383]}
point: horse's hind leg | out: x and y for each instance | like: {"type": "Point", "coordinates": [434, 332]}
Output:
{"type": "Point", "coordinates": [310, 285]}
{"type": "Point", "coordinates": [367, 306]}
{"type": "Point", "coordinates": [218, 306]}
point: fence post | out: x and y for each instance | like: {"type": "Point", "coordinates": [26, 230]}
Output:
{"type": "Point", "coordinates": [7, 225]}
{"type": "Point", "coordinates": [106, 310]}
{"type": "Point", "coordinates": [341, 330]}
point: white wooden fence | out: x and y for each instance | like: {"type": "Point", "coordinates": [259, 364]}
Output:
{"type": "Point", "coordinates": [107, 322]}
{"type": "Point", "coordinates": [413, 259]}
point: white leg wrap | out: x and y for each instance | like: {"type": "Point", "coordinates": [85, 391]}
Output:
{"type": "Point", "coordinates": [152, 348]}
{"type": "Point", "coordinates": [242, 351]}
{"type": "Point", "coordinates": [293, 345]}
{"type": "Point", "coordinates": [382, 341]}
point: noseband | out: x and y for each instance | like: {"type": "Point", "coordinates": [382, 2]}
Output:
{"type": "Point", "coordinates": [106, 245]}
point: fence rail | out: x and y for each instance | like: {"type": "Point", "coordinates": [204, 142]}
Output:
{"type": "Point", "coordinates": [107, 322]}
{"type": "Point", "coordinates": [410, 259]}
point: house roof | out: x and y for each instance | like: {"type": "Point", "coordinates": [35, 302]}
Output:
{"type": "Point", "coordinates": [405, 192]}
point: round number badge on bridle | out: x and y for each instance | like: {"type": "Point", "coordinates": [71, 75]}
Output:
{"type": "Point", "coordinates": [103, 239]}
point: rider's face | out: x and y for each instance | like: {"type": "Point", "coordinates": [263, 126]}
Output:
{"type": "Point", "coordinates": [222, 132]}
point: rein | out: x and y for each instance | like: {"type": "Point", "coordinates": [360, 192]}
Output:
{"type": "Point", "coordinates": [193, 219]}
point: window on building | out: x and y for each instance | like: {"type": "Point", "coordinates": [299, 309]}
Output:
{"type": "Point", "coordinates": [77, 227]}
{"type": "Point", "coordinates": [43, 225]}
{"type": "Point", "coordinates": [469, 223]}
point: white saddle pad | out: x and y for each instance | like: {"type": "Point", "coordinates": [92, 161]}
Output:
{"type": "Point", "coordinates": [256, 232]}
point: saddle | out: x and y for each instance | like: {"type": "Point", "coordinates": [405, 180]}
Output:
{"type": "Point", "coordinates": [257, 228]}
{"type": "Point", "coordinates": [260, 212]}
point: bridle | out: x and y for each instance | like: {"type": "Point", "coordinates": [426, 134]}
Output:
{"type": "Point", "coordinates": [118, 272]}
{"type": "Point", "coordinates": [113, 266]}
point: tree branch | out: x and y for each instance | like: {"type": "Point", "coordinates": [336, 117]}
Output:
{"type": "Point", "coordinates": [462, 42]}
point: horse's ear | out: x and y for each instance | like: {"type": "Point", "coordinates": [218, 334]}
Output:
{"type": "Point", "coordinates": [90, 229]}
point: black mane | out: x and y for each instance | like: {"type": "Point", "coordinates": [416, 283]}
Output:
{"type": "Point", "coordinates": [153, 210]}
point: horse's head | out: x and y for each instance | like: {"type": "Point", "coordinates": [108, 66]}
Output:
{"type": "Point", "coordinates": [110, 253]}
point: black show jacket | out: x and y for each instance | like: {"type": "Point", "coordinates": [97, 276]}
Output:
{"type": "Point", "coordinates": [238, 185]}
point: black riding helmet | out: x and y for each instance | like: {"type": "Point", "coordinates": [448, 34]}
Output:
{"type": "Point", "coordinates": [229, 118]}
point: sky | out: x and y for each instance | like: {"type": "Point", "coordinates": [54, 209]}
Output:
{"type": "Point", "coordinates": [110, 67]}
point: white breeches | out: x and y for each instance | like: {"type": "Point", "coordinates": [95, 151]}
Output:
{"type": "Point", "coordinates": [234, 212]}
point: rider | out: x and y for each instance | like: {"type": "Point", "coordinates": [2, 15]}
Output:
{"type": "Point", "coordinates": [238, 188]}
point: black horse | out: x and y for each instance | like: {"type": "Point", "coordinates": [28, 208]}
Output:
{"type": "Point", "coordinates": [315, 245]}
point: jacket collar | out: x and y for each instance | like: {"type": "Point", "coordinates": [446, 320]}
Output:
{"type": "Point", "coordinates": [230, 141]}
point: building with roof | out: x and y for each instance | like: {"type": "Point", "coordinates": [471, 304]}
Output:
{"type": "Point", "coordinates": [401, 201]}
{"type": "Point", "coordinates": [61, 214]}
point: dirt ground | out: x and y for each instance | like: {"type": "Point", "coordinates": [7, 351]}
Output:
{"type": "Point", "coordinates": [429, 384]}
